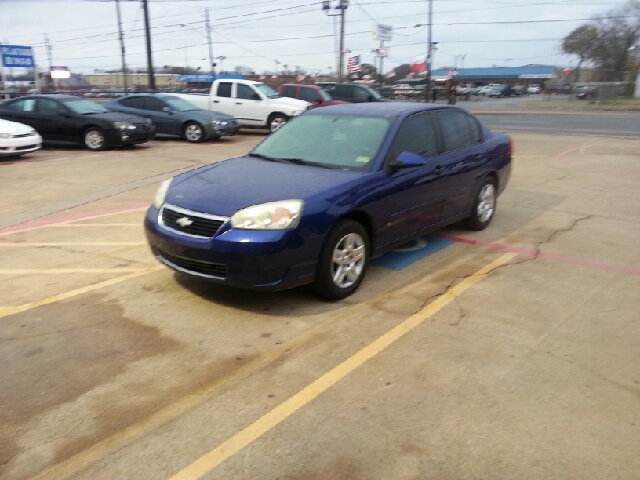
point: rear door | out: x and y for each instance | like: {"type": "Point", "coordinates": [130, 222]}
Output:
{"type": "Point", "coordinates": [222, 99]}
{"type": "Point", "coordinates": [57, 122]}
{"type": "Point", "coordinates": [462, 159]}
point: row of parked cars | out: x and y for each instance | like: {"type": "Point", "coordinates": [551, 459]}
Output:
{"type": "Point", "coordinates": [130, 120]}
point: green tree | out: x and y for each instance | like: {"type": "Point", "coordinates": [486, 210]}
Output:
{"type": "Point", "coordinates": [583, 42]}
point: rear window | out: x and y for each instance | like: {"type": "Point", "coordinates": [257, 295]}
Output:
{"type": "Point", "coordinates": [224, 89]}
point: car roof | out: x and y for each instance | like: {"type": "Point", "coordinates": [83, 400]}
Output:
{"type": "Point", "coordinates": [377, 109]}
{"type": "Point", "coordinates": [54, 96]}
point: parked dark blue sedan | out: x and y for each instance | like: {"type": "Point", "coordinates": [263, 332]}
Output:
{"type": "Point", "coordinates": [330, 189]}
{"type": "Point", "coordinates": [174, 116]}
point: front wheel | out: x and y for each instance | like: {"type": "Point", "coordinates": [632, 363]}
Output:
{"type": "Point", "coordinates": [193, 132]}
{"type": "Point", "coordinates": [276, 121]}
{"type": "Point", "coordinates": [484, 206]}
{"type": "Point", "coordinates": [343, 261]}
{"type": "Point", "coordinates": [94, 139]}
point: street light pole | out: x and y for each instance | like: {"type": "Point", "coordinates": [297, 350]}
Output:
{"type": "Point", "coordinates": [342, 6]}
{"type": "Point", "coordinates": [427, 91]}
{"type": "Point", "coordinates": [222, 59]}
{"type": "Point", "coordinates": [213, 71]}
{"type": "Point", "coordinates": [121, 36]}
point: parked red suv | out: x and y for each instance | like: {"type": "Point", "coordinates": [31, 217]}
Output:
{"type": "Point", "coordinates": [310, 93]}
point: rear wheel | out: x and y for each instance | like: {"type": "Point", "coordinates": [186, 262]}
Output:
{"type": "Point", "coordinates": [343, 261]}
{"type": "Point", "coordinates": [193, 132]}
{"type": "Point", "coordinates": [484, 206]}
{"type": "Point", "coordinates": [94, 139]}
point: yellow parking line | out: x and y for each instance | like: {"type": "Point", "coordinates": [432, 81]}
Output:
{"type": "Point", "coordinates": [6, 311]}
{"type": "Point", "coordinates": [243, 438]}
{"type": "Point", "coordinates": [45, 271]}
{"type": "Point", "coordinates": [70, 244]}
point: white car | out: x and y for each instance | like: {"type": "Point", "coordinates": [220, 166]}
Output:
{"type": "Point", "coordinates": [18, 139]}
{"type": "Point", "coordinates": [533, 88]}
{"type": "Point", "coordinates": [486, 89]}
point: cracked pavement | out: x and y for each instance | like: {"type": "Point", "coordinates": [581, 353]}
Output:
{"type": "Point", "coordinates": [530, 373]}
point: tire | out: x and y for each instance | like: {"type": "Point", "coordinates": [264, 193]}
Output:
{"type": "Point", "coordinates": [484, 206]}
{"type": "Point", "coordinates": [343, 261]}
{"type": "Point", "coordinates": [94, 139]}
{"type": "Point", "coordinates": [193, 132]}
{"type": "Point", "coordinates": [276, 121]}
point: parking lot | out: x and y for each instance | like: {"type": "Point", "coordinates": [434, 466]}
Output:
{"type": "Point", "coordinates": [506, 353]}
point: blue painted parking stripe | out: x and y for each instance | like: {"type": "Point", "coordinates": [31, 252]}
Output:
{"type": "Point", "coordinates": [411, 252]}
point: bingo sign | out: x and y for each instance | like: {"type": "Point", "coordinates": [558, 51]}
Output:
{"type": "Point", "coordinates": [17, 56]}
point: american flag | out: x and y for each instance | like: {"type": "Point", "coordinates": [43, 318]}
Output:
{"type": "Point", "coordinates": [353, 64]}
{"type": "Point", "coordinates": [391, 74]}
{"type": "Point", "coordinates": [300, 78]}
{"type": "Point", "coordinates": [410, 75]}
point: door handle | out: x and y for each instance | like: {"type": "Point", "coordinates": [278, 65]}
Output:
{"type": "Point", "coordinates": [216, 101]}
{"type": "Point", "coordinates": [438, 170]}
{"type": "Point", "coordinates": [238, 103]}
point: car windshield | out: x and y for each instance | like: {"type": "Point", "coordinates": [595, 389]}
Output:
{"type": "Point", "coordinates": [266, 90]}
{"type": "Point", "coordinates": [334, 141]}
{"type": "Point", "coordinates": [180, 105]}
{"type": "Point", "coordinates": [324, 95]}
{"type": "Point", "coordinates": [84, 107]}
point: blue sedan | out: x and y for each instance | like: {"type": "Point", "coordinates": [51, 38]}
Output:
{"type": "Point", "coordinates": [328, 191]}
{"type": "Point", "coordinates": [177, 117]}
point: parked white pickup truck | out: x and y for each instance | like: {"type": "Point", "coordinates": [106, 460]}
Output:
{"type": "Point", "coordinates": [253, 104]}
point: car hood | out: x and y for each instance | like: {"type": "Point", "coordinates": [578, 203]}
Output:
{"type": "Point", "coordinates": [226, 187]}
{"type": "Point", "coordinates": [118, 117]}
{"type": "Point", "coordinates": [14, 128]}
{"type": "Point", "coordinates": [206, 115]}
{"type": "Point", "coordinates": [292, 103]}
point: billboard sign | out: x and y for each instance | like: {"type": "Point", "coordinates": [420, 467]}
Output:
{"type": "Point", "coordinates": [60, 72]}
{"type": "Point", "coordinates": [17, 56]}
{"type": "Point", "coordinates": [536, 75]}
{"type": "Point", "coordinates": [383, 33]}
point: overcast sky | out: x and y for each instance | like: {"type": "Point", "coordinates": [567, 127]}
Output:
{"type": "Point", "coordinates": [254, 33]}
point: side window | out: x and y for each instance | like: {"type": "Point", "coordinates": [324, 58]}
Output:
{"type": "Point", "coordinates": [474, 128]}
{"type": "Point", "coordinates": [416, 135]}
{"type": "Point", "coordinates": [361, 94]}
{"type": "Point", "coordinates": [289, 92]}
{"type": "Point", "coordinates": [245, 92]}
{"type": "Point", "coordinates": [224, 89]}
{"type": "Point", "coordinates": [26, 105]}
{"type": "Point", "coordinates": [48, 106]}
{"type": "Point", "coordinates": [308, 94]}
{"type": "Point", "coordinates": [131, 102]}
{"type": "Point", "coordinates": [341, 91]}
{"type": "Point", "coordinates": [152, 104]}
{"type": "Point", "coordinates": [455, 129]}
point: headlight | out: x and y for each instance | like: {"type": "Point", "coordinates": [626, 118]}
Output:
{"type": "Point", "coordinates": [220, 123]}
{"type": "Point", "coordinates": [284, 215]}
{"type": "Point", "coordinates": [6, 135]}
{"type": "Point", "coordinates": [149, 122]}
{"type": "Point", "coordinates": [162, 193]}
{"type": "Point", "coordinates": [33, 132]}
{"type": "Point", "coordinates": [124, 126]}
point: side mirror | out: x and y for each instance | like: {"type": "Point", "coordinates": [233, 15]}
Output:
{"type": "Point", "coordinates": [407, 160]}
{"type": "Point", "coordinates": [256, 96]}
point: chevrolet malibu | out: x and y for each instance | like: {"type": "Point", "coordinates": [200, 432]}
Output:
{"type": "Point", "coordinates": [328, 191]}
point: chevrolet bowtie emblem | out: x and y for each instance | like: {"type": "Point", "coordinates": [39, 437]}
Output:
{"type": "Point", "coordinates": [184, 222]}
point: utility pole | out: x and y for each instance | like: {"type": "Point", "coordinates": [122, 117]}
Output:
{"type": "Point", "coordinates": [342, 6]}
{"type": "Point", "coordinates": [213, 70]}
{"type": "Point", "coordinates": [121, 37]}
{"type": "Point", "coordinates": [152, 80]}
{"type": "Point", "coordinates": [49, 48]}
{"type": "Point", "coordinates": [380, 74]}
{"type": "Point", "coordinates": [427, 91]}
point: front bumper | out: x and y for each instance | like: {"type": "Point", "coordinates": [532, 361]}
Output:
{"type": "Point", "coordinates": [259, 260]}
{"type": "Point", "coordinates": [141, 134]}
{"type": "Point", "coordinates": [20, 145]}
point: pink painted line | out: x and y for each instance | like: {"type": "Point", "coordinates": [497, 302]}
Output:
{"type": "Point", "coordinates": [549, 256]}
{"type": "Point", "coordinates": [72, 218]}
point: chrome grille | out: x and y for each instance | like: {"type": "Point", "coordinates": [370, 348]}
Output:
{"type": "Point", "coordinates": [22, 135]}
{"type": "Point", "coordinates": [187, 265]}
{"type": "Point", "coordinates": [194, 223]}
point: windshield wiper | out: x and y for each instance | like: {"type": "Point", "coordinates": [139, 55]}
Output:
{"type": "Point", "coordinates": [301, 161]}
{"type": "Point", "coordinates": [265, 157]}
{"type": "Point", "coordinates": [91, 113]}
